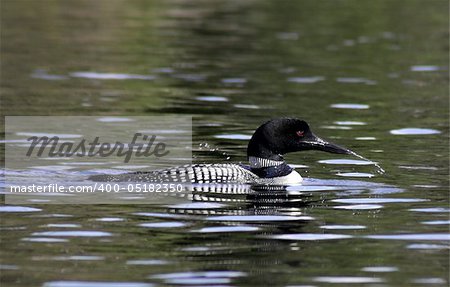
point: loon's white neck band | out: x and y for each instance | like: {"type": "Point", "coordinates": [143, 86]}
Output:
{"type": "Point", "coordinates": [258, 162]}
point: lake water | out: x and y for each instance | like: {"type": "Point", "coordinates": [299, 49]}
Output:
{"type": "Point", "coordinates": [369, 75]}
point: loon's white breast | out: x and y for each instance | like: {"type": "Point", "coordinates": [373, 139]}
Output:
{"type": "Point", "coordinates": [292, 178]}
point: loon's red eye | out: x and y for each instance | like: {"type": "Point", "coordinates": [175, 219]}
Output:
{"type": "Point", "coordinates": [300, 133]}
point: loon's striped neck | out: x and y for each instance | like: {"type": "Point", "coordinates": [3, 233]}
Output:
{"type": "Point", "coordinates": [258, 162]}
{"type": "Point", "coordinates": [269, 168]}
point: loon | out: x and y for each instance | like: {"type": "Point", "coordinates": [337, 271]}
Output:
{"type": "Point", "coordinates": [265, 153]}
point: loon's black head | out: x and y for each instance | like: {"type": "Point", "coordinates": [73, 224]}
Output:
{"type": "Point", "coordinates": [280, 136]}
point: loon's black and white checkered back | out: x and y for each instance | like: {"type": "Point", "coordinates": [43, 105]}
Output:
{"type": "Point", "coordinates": [197, 173]}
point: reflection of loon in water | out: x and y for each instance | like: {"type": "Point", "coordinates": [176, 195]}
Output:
{"type": "Point", "coordinates": [256, 200]}
{"type": "Point", "coordinates": [265, 152]}
{"type": "Point", "coordinates": [284, 195]}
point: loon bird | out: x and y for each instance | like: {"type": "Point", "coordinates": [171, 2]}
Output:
{"type": "Point", "coordinates": [265, 153]}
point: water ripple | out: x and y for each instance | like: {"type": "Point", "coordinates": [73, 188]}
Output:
{"type": "Point", "coordinates": [233, 137]}
{"type": "Point", "coordinates": [355, 174]}
{"type": "Point", "coordinates": [296, 188]}
{"type": "Point", "coordinates": [13, 208]}
{"type": "Point", "coordinates": [170, 224]}
{"type": "Point", "coordinates": [220, 229]}
{"type": "Point", "coordinates": [427, 246]}
{"type": "Point", "coordinates": [310, 236]}
{"type": "Point", "coordinates": [164, 70]}
{"type": "Point", "coordinates": [258, 218]}
{"type": "Point", "coordinates": [197, 205]}
{"type": "Point", "coordinates": [424, 68]}
{"type": "Point", "coordinates": [109, 219]}
{"type": "Point", "coordinates": [8, 267]}
{"type": "Point", "coordinates": [414, 131]}
{"type": "Point", "coordinates": [359, 207]}
{"type": "Point", "coordinates": [436, 222]}
{"type": "Point", "coordinates": [78, 233]}
{"type": "Point", "coordinates": [199, 278]}
{"type": "Point", "coordinates": [111, 76]}
{"type": "Point", "coordinates": [350, 80]}
{"type": "Point", "coordinates": [377, 269]}
{"type": "Point", "coordinates": [347, 279]}
{"type": "Point", "coordinates": [114, 120]}
{"type": "Point", "coordinates": [161, 215]}
{"type": "Point", "coordinates": [424, 236]}
{"type": "Point", "coordinates": [336, 127]}
{"type": "Point", "coordinates": [190, 77]}
{"type": "Point", "coordinates": [235, 81]}
{"type": "Point", "coordinates": [430, 280]}
{"type": "Point", "coordinates": [431, 209]}
{"type": "Point", "coordinates": [44, 239]}
{"type": "Point", "coordinates": [50, 135]}
{"type": "Point", "coordinates": [350, 106]}
{"type": "Point", "coordinates": [346, 161]}
{"type": "Point", "coordinates": [378, 200]}
{"type": "Point", "coordinates": [306, 80]}
{"type": "Point", "coordinates": [350, 123]}
{"type": "Point", "coordinates": [69, 258]}
{"type": "Point", "coordinates": [147, 262]}
{"type": "Point", "coordinates": [342, 227]}
{"type": "Point", "coordinates": [245, 106]}
{"type": "Point", "coordinates": [63, 225]}
{"type": "Point", "coordinates": [212, 99]}
{"type": "Point", "coordinates": [95, 284]}
{"type": "Point", "coordinates": [43, 75]}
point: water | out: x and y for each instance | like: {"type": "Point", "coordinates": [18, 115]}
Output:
{"type": "Point", "coordinates": [368, 75]}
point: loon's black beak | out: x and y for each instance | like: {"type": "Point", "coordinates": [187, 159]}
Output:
{"type": "Point", "coordinates": [314, 142]}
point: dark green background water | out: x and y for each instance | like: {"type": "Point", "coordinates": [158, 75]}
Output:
{"type": "Point", "coordinates": [250, 59]}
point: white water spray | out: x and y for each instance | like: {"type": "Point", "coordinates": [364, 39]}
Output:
{"type": "Point", "coordinates": [379, 169]}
